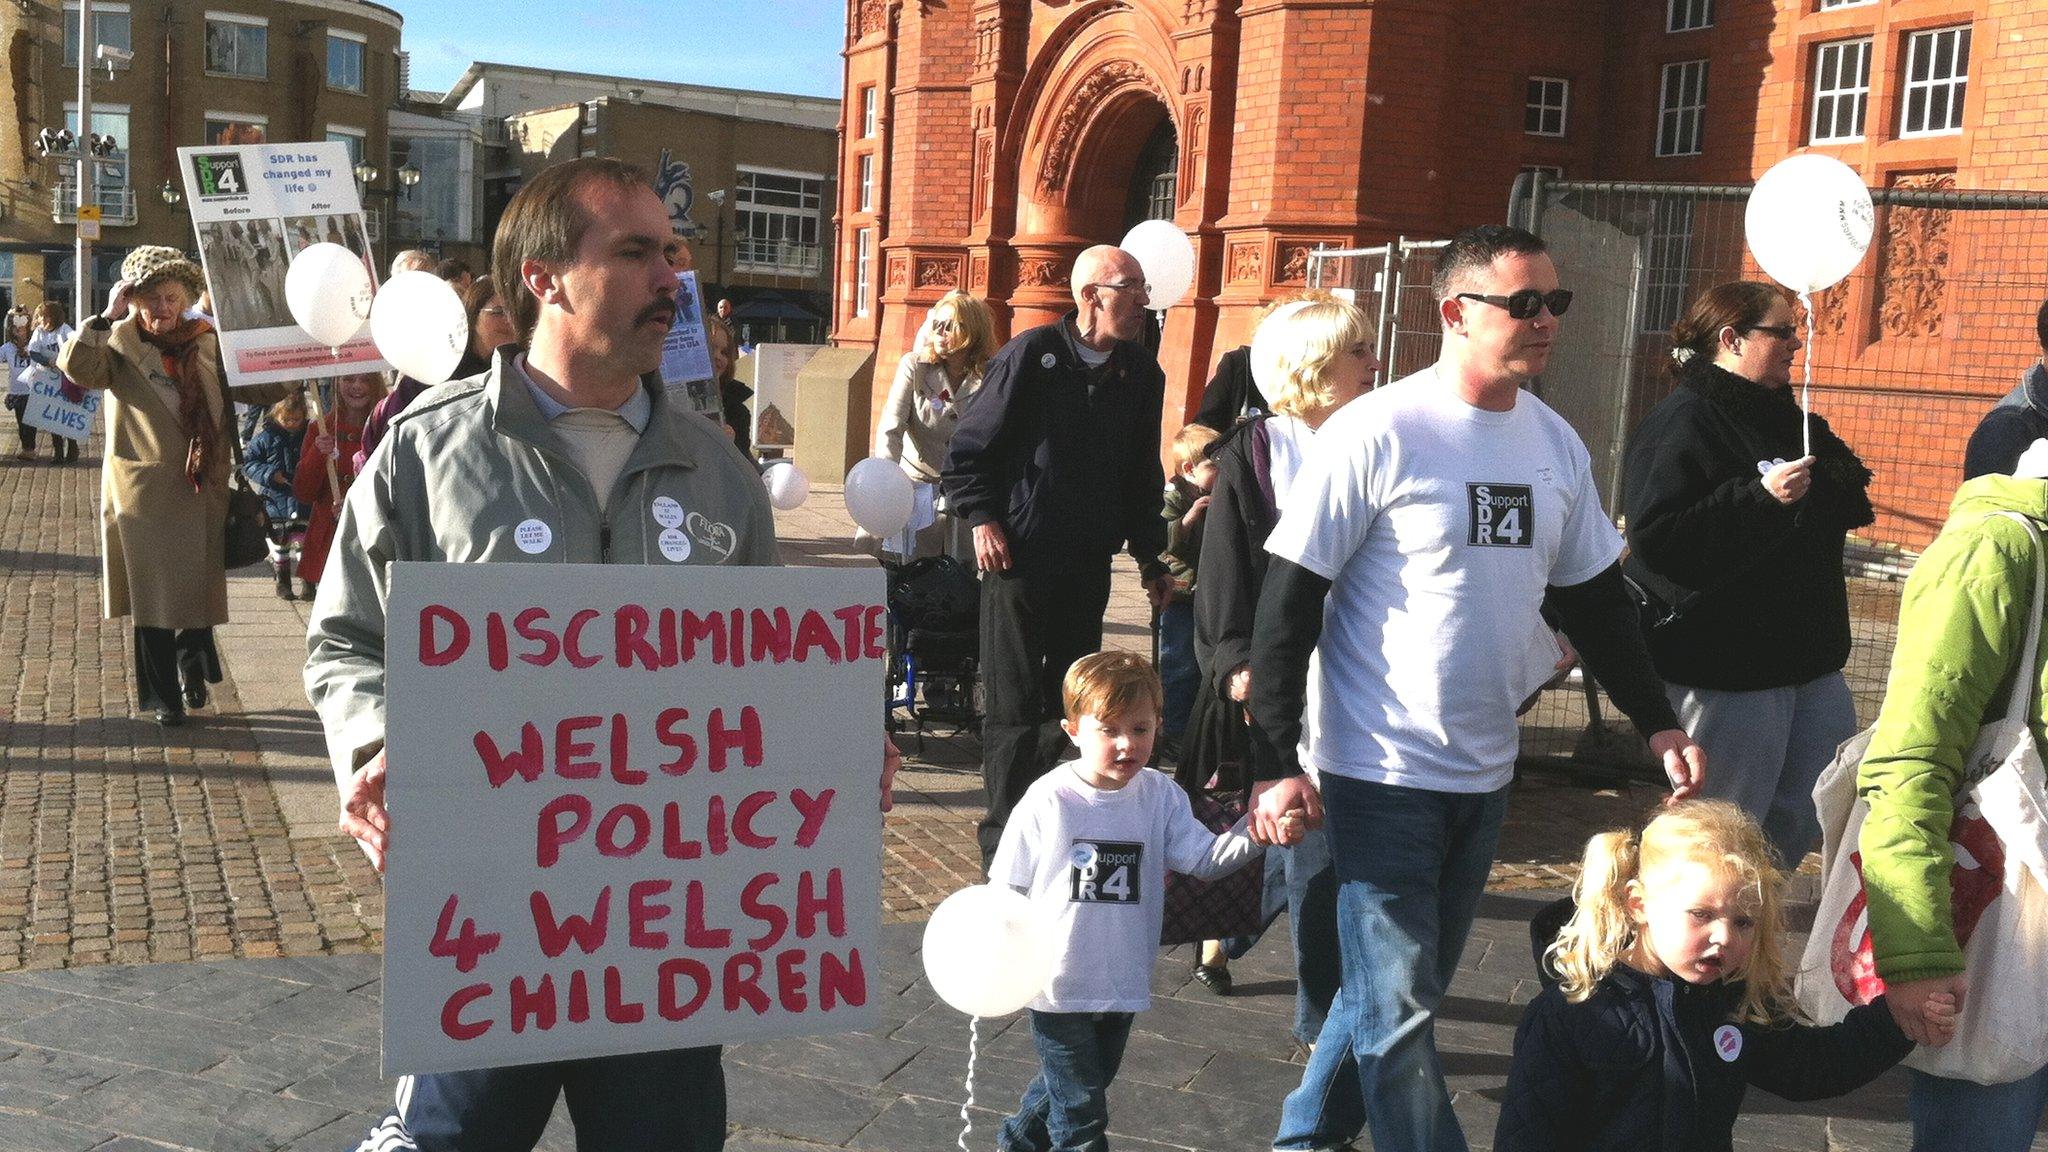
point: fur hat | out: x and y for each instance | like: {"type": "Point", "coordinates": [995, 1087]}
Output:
{"type": "Point", "coordinates": [151, 263]}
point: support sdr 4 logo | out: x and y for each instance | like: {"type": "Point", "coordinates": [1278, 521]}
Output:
{"type": "Point", "coordinates": [1104, 872]}
{"type": "Point", "coordinates": [1501, 515]}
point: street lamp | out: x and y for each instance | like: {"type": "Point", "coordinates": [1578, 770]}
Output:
{"type": "Point", "coordinates": [367, 173]}
{"type": "Point", "coordinates": [718, 261]}
{"type": "Point", "coordinates": [170, 194]}
{"type": "Point", "coordinates": [408, 176]}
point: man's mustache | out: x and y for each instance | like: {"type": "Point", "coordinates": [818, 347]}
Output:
{"type": "Point", "coordinates": [662, 310]}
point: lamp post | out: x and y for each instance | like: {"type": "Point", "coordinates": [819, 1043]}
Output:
{"type": "Point", "coordinates": [718, 257]}
{"type": "Point", "coordinates": [81, 254]}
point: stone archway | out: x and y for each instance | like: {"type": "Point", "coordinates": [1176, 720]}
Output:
{"type": "Point", "coordinates": [1100, 104]}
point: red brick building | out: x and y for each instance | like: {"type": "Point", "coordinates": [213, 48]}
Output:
{"type": "Point", "coordinates": [986, 142]}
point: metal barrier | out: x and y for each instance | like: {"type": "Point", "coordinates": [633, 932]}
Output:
{"type": "Point", "coordinates": [1391, 283]}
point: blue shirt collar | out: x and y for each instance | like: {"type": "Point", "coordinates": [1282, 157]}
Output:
{"type": "Point", "coordinates": [636, 411]}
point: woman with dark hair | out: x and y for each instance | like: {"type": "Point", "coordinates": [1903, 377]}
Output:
{"type": "Point", "coordinates": [489, 327]}
{"type": "Point", "coordinates": [1735, 542]}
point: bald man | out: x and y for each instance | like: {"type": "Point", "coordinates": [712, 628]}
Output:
{"type": "Point", "coordinates": [1055, 465]}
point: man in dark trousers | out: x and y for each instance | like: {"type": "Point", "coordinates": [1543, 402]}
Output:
{"type": "Point", "coordinates": [1055, 464]}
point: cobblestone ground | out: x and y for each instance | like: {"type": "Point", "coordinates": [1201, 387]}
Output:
{"type": "Point", "coordinates": [121, 842]}
{"type": "Point", "coordinates": [124, 843]}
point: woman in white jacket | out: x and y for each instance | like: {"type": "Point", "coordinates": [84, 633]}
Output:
{"type": "Point", "coordinates": [932, 380]}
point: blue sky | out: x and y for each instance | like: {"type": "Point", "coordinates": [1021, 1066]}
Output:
{"type": "Point", "coordinates": [775, 45]}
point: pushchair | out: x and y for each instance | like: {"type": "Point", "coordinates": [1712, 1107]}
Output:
{"type": "Point", "coordinates": [934, 644]}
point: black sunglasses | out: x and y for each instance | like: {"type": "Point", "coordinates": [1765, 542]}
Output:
{"type": "Point", "coordinates": [1525, 304]}
{"type": "Point", "coordinates": [1781, 331]}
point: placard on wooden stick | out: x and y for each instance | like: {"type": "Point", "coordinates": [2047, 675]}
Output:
{"type": "Point", "coordinates": [633, 809]}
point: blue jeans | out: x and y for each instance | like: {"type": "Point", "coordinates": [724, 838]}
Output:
{"type": "Point", "coordinates": [646, 1102]}
{"type": "Point", "coordinates": [1066, 1108]}
{"type": "Point", "coordinates": [1961, 1116]}
{"type": "Point", "coordinates": [1411, 866]}
{"type": "Point", "coordinates": [1312, 919]}
{"type": "Point", "coordinates": [1769, 747]}
{"type": "Point", "coordinates": [1180, 677]}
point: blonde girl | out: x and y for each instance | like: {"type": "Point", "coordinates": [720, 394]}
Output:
{"type": "Point", "coordinates": [940, 372]}
{"type": "Point", "coordinates": [1672, 997]}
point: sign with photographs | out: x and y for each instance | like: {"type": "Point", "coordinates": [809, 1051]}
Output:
{"type": "Point", "coordinates": [255, 206]}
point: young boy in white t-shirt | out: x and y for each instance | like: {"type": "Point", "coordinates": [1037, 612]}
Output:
{"type": "Point", "coordinates": [1090, 843]}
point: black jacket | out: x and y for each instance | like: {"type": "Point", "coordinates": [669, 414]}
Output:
{"type": "Point", "coordinates": [1068, 477]}
{"type": "Point", "coordinates": [1635, 1067]}
{"type": "Point", "coordinates": [1231, 392]}
{"type": "Point", "coordinates": [2010, 428]}
{"type": "Point", "coordinates": [1758, 584]}
{"type": "Point", "coordinates": [1241, 515]}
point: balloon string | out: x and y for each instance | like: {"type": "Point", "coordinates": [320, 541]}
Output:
{"type": "Point", "coordinates": [973, 1043]}
{"type": "Point", "coordinates": [1806, 387]}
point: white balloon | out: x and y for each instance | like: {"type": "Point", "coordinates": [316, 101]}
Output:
{"type": "Point", "coordinates": [328, 291]}
{"type": "Point", "coordinates": [987, 951]}
{"type": "Point", "coordinates": [788, 487]}
{"type": "Point", "coordinates": [1809, 221]}
{"type": "Point", "coordinates": [419, 325]}
{"type": "Point", "coordinates": [1168, 258]}
{"type": "Point", "coordinates": [1267, 342]}
{"type": "Point", "coordinates": [879, 496]}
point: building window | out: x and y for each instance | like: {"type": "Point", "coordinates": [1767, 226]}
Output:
{"type": "Point", "coordinates": [1937, 72]}
{"type": "Point", "coordinates": [1682, 108]}
{"type": "Point", "coordinates": [777, 217]}
{"type": "Point", "coordinates": [867, 112]}
{"type": "Point", "coordinates": [1841, 90]}
{"type": "Point", "coordinates": [1667, 251]}
{"type": "Point", "coordinates": [107, 120]}
{"type": "Point", "coordinates": [1827, 4]}
{"type": "Point", "coordinates": [867, 183]}
{"type": "Point", "coordinates": [344, 61]}
{"type": "Point", "coordinates": [237, 45]}
{"type": "Point", "coordinates": [236, 128]}
{"type": "Point", "coordinates": [438, 207]}
{"type": "Point", "coordinates": [353, 137]}
{"type": "Point", "coordinates": [110, 26]}
{"type": "Point", "coordinates": [1688, 15]}
{"type": "Point", "coordinates": [1544, 106]}
{"type": "Point", "coordinates": [863, 264]}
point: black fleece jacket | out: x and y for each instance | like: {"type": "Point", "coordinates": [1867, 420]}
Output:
{"type": "Point", "coordinates": [1063, 457]}
{"type": "Point", "coordinates": [1758, 584]}
{"type": "Point", "coordinates": [1642, 1065]}
{"type": "Point", "coordinates": [1240, 517]}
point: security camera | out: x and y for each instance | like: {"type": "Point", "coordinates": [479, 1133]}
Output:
{"type": "Point", "coordinates": [113, 55]}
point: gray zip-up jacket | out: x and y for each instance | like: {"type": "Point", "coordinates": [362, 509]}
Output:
{"type": "Point", "coordinates": [472, 474]}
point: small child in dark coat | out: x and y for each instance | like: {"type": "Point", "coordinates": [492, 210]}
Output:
{"type": "Point", "coordinates": [270, 462]}
{"type": "Point", "coordinates": [1672, 998]}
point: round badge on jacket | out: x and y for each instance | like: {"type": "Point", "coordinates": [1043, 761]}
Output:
{"type": "Point", "coordinates": [667, 512]}
{"type": "Point", "coordinates": [533, 536]}
{"type": "Point", "coordinates": [1048, 360]}
{"type": "Point", "coordinates": [1728, 1043]}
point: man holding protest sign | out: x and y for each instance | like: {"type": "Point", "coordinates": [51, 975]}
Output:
{"type": "Point", "coordinates": [567, 452]}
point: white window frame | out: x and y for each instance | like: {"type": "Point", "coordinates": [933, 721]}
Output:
{"type": "Point", "coordinates": [863, 267]}
{"type": "Point", "coordinates": [1550, 171]}
{"type": "Point", "coordinates": [1672, 110]}
{"type": "Point", "coordinates": [870, 101]}
{"type": "Point", "coordinates": [1827, 5]}
{"type": "Point", "coordinates": [1825, 114]}
{"type": "Point", "coordinates": [1955, 86]}
{"type": "Point", "coordinates": [238, 19]}
{"type": "Point", "coordinates": [807, 216]}
{"type": "Point", "coordinates": [1688, 15]}
{"type": "Point", "coordinates": [1539, 102]}
{"type": "Point", "coordinates": [99, 11]}
{"type": "Point", "coordinates": [867, 182]}
{"type": "Point", "coordinates": [362, 44]}
{"type": "Point", "coordinates": [101, 108]}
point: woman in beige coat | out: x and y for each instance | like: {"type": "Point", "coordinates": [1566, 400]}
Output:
{"type": "Point", "coordinates": [164, 491]}
{"type": "Point", "coordinates": [932, 380]}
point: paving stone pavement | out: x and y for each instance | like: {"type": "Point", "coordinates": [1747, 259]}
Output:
{"type": "Point", "coordinates": [212, 847]}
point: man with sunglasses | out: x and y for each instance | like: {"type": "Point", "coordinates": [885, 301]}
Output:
{"type": "Point", "coordinates": [1055, 465]}
{"type": "Point", "coordinates": [1419, 543]}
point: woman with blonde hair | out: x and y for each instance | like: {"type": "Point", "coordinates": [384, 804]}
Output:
{"type": "Point", "coordinates": [932, 380]}
{"type": "Point", "coordinates": [1319, 357]}
{"type": "Point", "coordinates": [1673, 996]}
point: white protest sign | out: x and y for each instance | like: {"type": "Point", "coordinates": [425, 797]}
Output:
{"type": "Point", "coordinates": [633, 809]}
{"type": "Point", "coordinates": [686, 355]}
{"type": "Point", "coordinates": [775, 371]}
{"type": "Point", "coordinates": [54, 412]}
{"type": "Point", "coordinates": [255, 207]}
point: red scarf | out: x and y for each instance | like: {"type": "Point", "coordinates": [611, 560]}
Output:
{"type": "Point", "coordinates": [180, 350]}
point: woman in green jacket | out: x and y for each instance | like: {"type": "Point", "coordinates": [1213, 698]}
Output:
{"type": "Point", "coordinates": [1961, 624]}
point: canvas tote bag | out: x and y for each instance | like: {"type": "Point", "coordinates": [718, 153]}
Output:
{"type": "Point", "coordinates": [1998, 889]}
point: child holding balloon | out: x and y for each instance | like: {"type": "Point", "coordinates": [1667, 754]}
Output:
{"type": "Point", "coordinates": [1090, 844]}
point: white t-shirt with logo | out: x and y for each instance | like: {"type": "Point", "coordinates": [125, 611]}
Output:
{"type": "Point", "coordinates": [1439, 526]}
{"type": "Point", "coordinates": [1096, 862]}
